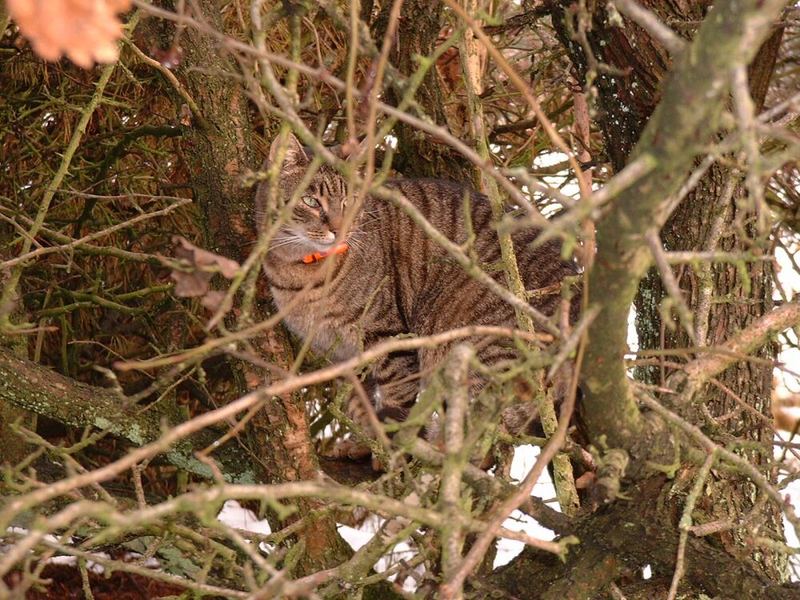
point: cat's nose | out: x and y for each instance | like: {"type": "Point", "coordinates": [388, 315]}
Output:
{"type": "Point", "coordinates": [335, 222]}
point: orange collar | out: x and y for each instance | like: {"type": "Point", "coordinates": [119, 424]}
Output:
{"type": "Point", "coordinates": [318, 256]}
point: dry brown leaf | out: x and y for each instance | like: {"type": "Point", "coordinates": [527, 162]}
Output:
{"type": "Point", "coordinates": [213, 300]}
{"type": "Point", "coordinates": [203, 265]}
{"type": "Point", "coordinates": [85, 30]}
{"type": "Point", "coordinates": [585, 481]}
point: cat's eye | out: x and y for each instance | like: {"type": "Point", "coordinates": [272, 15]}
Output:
{"type": "Point", "coordinates": [310, 201]}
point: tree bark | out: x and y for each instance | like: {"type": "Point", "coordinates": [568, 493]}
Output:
{"type": "Point", "coordinates": [25, 385]}
{"type": "Point", "coordinates": [619, 540]}
{"type": "Point", "coordinates": [418, 155]}
{"type": "Point", "coordinates": [14, 449]}
{"type": "Point", "coordinates": [219, 154]}
{"type": "Point", "coordinates": [628, 93]}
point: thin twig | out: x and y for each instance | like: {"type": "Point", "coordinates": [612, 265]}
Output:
{"type": "Point", "coordinates": [685, 524]}
{"type": "Point", "coordinates": [652, 24]}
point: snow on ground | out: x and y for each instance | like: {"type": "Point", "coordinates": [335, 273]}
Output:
{"type": "Point", "coordinates": [789, 378]}
{"type": "Point", "coordinates": [788, 383]}
{"type": "Point", "coordinates": [237, 517]}
{"type": "Point", "coordinates": [234, 515]}
{"type": "Point", "coordinates": [358, 537]}
{"type": "Point", "coordinates": [524, 458]}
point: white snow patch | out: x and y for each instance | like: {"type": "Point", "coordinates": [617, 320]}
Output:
{"type": "Point", "coordinates": [360, 536]}
{"type": "Point", "coordinates": [234, 515]}
{"type": "Point", "coordinates": [524, 459]}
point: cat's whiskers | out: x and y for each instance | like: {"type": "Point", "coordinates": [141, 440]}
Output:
{"type": "Point", "coordinates": [368, 219]}
{"type": "Point", "coordinates": [368, 211]}
{"type": "Point", "coordinates": [356, 237]}
{"type": "Point", "coordinates": [356, 244]}
{"type": "Point", "coordinates": [284, 244]}
{"type": "Point", "coordinates": [283, 238]}
{"type": "Point", "coordinates": [376, 230]}
{"type": "Point", "coordinates": [288, 238]}
{"type": "Point", "coordinates": [273, 242]}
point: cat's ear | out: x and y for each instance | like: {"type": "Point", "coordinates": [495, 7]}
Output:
{"type": "Point", "coordinates": [351, 150]}
{"type": "Point", "coordinates": [295, 157]}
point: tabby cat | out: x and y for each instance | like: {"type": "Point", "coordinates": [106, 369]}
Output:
{"type": "Point", "coordinates": [388, 277]}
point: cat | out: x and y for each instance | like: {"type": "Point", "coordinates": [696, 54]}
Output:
{"type": "Point", "coordinates": [388, 277]}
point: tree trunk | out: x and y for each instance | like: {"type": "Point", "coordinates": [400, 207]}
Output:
{"type": "Point", "coordinates": [734, 296]}
{"type": "Point", "coordinates": [418, 154]}
{"type": "Point", "coordinates": [219, 153]}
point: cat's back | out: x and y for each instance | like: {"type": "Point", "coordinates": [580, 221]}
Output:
{"type": "Point", "coordinates": [445, 204]}
{"type": "Point", "coordinates": [456, 211]}
{"type": "Point", "coordinates": [464, 216]}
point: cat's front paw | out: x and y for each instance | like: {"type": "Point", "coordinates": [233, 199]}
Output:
{"type": "Point", "coordinates": [353, 450]}
{"type": "Point", "coordinates": [348, 449]}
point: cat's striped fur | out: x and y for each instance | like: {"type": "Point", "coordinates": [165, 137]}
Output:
{"type": "Point", "coordinates": [394, 279]}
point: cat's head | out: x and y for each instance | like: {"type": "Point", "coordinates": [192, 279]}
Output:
{"type": "Point", "coordinates": [318, 216]}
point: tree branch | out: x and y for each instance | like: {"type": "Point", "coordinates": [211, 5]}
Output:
{"type": "Point", "coordinates": [687, 118]}
{"type": "Point", "coordinates": [38, 389]}
{"type": "Point", "coordinates": [704, 368]}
